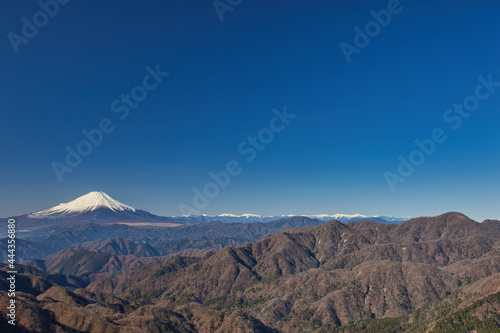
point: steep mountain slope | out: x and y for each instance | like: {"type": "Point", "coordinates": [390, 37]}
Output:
{"type": "Point", "coordinates": [44, 306]}
{"type": "Point", "coordinates": [333, 271]}
{"type": "Point", "coordinates": [26, 250]}
{"type": "Point", "coordinates": [88, 266]}
{"type": "Point", "coordinates": [359, 277]}
{"type": "Point", "coordinates": [117, 246]}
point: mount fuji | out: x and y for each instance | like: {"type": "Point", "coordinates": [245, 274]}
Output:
{"type": "Point", "coordinates": [95, 207]}
{"type": "Point", "coordinates": [89, 202]}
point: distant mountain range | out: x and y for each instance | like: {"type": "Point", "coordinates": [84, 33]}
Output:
{"type": "Point", "coordinates": [246, 218]}
{"type": "Point", "coordinates": [98, 207]}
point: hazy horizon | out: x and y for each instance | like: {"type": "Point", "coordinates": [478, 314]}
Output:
{"type": "Point", "coordinates": [280, 214]}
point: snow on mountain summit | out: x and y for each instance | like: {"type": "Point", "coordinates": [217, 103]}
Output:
{"type": "Point", "coordinates": [248, 218]}
{"type": "Point", "coordinates": [87, 202]}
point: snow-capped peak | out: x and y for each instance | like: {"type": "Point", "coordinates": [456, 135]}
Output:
{"type": "Point", "coordinates": [242, 215]}
{"type": "Point", "coordinates": [87, 202]}
{"type": "Point", "coordinates": [245, 218]}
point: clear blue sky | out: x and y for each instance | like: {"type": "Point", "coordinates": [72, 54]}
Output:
{"type": "Point", "coordinates": [353, 120]}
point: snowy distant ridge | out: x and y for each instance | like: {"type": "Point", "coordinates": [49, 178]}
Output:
{"type": "Point", "coordinates": [357, 217]}
{"type": "Point", "coordinates": [85, 203]}
{"type": "Point", "coordinates": [232, 215]}
{"type": "Point", "coordinates": [246, 218]}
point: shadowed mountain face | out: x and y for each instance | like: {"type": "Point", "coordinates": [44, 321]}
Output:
{"type": "Point", "coordinates": [328, 278]}
{"type": "Point", "coordinates": [88, 266]}
{"type": "Point", "coordinates": [118, 246]}
{"type": "Point", "coordinates": [93, 260]}
{"type": "Point", "coordinates": [154, 240]}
